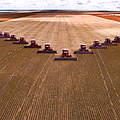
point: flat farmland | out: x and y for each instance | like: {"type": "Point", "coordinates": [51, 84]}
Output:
{"type": "Point", "coordinates": [35, 87]}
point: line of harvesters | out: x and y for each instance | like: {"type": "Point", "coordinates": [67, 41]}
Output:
{"type": "Point", "coordinates": [65, 52]}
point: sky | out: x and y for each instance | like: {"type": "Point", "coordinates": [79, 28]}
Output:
{"type": "Point", "coordinates": [113, 5]}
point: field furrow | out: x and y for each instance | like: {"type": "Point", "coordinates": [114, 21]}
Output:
{"type": "Point", "coordinates": [35, 87]}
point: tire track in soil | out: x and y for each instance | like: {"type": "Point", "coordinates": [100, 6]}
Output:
{"type": "Point", "coordinates": [63, 109]}
{"type": "Point", "coordinates": [108, 83]}
{"type": "Point", "coordinates": [42, 25]}
{"type": "Point", "coordinates": [11, 54]}
{"type": "Point", "coordinates": [93, 113]}
{"type": "Point", "coordinates": [115, 98]}
{"type": "Point", "coordinates": [10, 81]}
{"type": "Point", "coordinates": [16, 46]}
{"type": "Point", "coordinates": [29, 66]}
{"type": "Point", "coordinates": [30, 113]}
{"type": "Point", "coordinates": [100, 105]}
{"type": "Point", "coordinates": [39, 91]}
{"type": "Point", "coordinates": [19, 66]}
{"type": "Point", "coordinates": [97, 37]}
{"type": "Point", "coordinates": [15, 69]}
{"type": "Point", "coordinates": [72, 32]}
{"type": "Point", "coordinates": [5, 79]}
{"type": "Point", "coordinates": [64, 99]}
{"type": "Point", "coordinates": [74, 114]}
{"type": "Point", "coordinates": [8, 48]}
{"type": "Point", "coordinates": [108, 95]}
{"type": "Point", "coordinates": [64, 85]}
{"type": "Point", "coordinates": [7, 61]}
{"type": "Point", "coordinates": [107, 88]}
{"type": "Point", "coordinates": [71, 116]}
{"type": "Point", "coordinates": [47, 102]}
{"type": "Point", "coordinates": [27, 84]}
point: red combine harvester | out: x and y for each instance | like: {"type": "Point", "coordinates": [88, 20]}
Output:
{"type": "Point", "coordinates": [116, 39]}
{"type": "Point", "coordinates": [21, 41]}
{"type": "Point", "coordinates": [12, 38]}
{"type": "Point", "coordinates": [83, 50]}
{"type": "Point", "coordinates": [1, 35]}
{"type": "Point", "coordinates": [6, 35]}
{"type": "Point", "coordinates": [97, 45]}
{"type": "Point", "coordinates": [33, 45]}
{"type": "Point", "coordinates": [108, 42]}
{"type": "Point", "coordinates": [65, 56]}
{"type": "Point", "coordinates": [47, 49]}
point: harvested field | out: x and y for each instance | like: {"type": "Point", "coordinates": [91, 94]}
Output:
{"type": "Point", "coordinates": [35, 87]}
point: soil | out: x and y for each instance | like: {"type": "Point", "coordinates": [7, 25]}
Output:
{"type": "Point", "coordinates": [115, 18]}
{"type": "Point", "coordinates": [35, 87]}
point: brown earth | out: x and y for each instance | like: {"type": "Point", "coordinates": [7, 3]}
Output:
{"type": "Point", "coordinates": [115, 18]}
{"type": "Point", "coordinates": [35, 87]}
{"type": "Point", "coordinates": [19, 14]}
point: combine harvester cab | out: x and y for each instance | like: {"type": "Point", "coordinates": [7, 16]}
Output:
{"type": "Point", "coordinates": [21, 41]}
{"type": "Point", "coordinates": [65, 56]}
{"type": "Point", "coordinates": [12, 38]}
{"type": "Point", "coordinates": [83, 50]}
{"type": "Point", "coordinates": [33, 45]}
{"type": "Point", "coordinates": [1, 35]}
{"type": "Point", "coordinates": [97, 45]}
{"type": "Point", "coordinates": [6, 35]}
{"type": "Point", "coordinates": [116, 39]}
{"type": "Point", "coordinates": [47, 49]}
{"type": "Point", "coordinates": [108, 42]}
